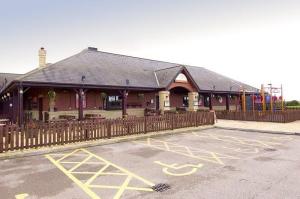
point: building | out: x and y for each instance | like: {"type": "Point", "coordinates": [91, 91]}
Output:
{"type": "Point", "coordinates": [95, 82]}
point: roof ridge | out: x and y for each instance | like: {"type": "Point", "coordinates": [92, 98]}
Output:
{"type": "Point", "coordinates": [169, 68]}
{"type": "Point", "coordinates": [11, 73]}
{"type": "Point", "coordinates": [98, 51]}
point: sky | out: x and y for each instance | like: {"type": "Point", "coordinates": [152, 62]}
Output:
{"type": "Point", "coordinates": [253, 41]}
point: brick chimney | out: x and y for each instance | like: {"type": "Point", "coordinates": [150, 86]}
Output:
{"type": "Point", "coordinates": [42, 57]}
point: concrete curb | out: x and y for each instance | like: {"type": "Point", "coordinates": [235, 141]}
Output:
{"type": "Point", "coordinates": [259, 131]}
{"type": "Point", "coordinates": [93, 143]}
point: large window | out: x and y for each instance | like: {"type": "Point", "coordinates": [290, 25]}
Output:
{"type": "Point", "coordinates": [185, 101]}
{"type": "Point", "coordinates": [206, 101]}
{"type": "Point", "coordinates": [114, 102]}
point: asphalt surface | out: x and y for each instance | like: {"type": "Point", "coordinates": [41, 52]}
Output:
{"type": "Point", "coordinates": [212, 163]}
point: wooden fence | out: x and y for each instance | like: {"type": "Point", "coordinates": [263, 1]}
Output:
{"type": "Point", "coordinates": [259, 116]}
{"type": "Point", "coordinates": [38, 135]}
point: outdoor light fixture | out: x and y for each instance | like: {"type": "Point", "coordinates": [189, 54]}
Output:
{"type": "Point", "coordinates": [83, 78]}
{"type": "Point", "coordinates": [10, 105]}
{"type": "Point", "coordinates": [21, 91]}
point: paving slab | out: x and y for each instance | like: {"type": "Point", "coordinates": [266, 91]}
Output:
{"type": "Point", "coordinates": [266, 127]}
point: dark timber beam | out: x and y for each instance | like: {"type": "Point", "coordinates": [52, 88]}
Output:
{"type": "Point", "coordinates": [80, 107]}
{"type": "Point", "coordinates": [227, 102]}
{"type": "Point", "coordinates": [20, 106]}
{"type": "Point", "coordinates": [210, 101]}
{"type": "Point", "coordinates": [124, 103]}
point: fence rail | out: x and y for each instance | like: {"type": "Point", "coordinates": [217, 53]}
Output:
{"type": "Point", "coordinates": [38, 135]}
{"type": "Point", "coordinates": [259, 116]}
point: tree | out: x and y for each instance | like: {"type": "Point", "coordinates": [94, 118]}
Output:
{"type": "Point", "coordinates": [293, 103]}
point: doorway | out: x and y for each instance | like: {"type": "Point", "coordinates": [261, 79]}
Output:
{"type": "Point", "coordinates": [40, 109]}
{"type": "Point", "coordinates": [157, 102]}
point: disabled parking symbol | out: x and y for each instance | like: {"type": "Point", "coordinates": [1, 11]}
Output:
{"type": "Point", "coordinates": [179, 170]}
{"type": "Point", "coordinates": [21, 196]}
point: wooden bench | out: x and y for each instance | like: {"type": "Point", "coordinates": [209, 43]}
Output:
{"type": "Point", "coordinates": [67, 117]}
{"type": "Point", "coordinates": [94, 117]}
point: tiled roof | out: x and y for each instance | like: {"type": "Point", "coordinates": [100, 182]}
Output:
{"type": "Point", "coordinates": [6, 78]}
{"type": "Point", "coordinates": [108, 69]}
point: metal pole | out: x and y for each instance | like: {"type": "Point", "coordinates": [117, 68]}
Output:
{"type": "Point", "coordinates": [244, 100]}
{"type": "Point", "coordinates": [263, 98]}
{"type": "Point", "coordinates": [282, 102]}
{"type": "Point", "coordinates": [271, 100]}
{"type": "Point", "coordinates": [253, 104]}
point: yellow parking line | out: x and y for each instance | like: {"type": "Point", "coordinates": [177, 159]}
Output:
{"type": "Point", "coordinates": [75, 180]}
{"type": "Point", "coordinates": [81, 163]}
{"type": "Point", "coordinates": [67, 155]}
{"type": "Point", "coordinates": [87, 184]}
{"type": "Point", "coordinates": [117, 187]}
{"type": "Point", "coordinates": [21, 196]}
{"type": "Point", "coordinates": [83, 172]}
{"type": "Point", "coordinates": [96, 175]}
{"type": "Point", "coordinates": [122, 188]}
{"type": "Point", "coordinates": [238, 140]}
{"type": "Point", "coordinates": [208, 156]}
{"type": "Point", "coordinates": [122, 169]}
{"type": "Point", "coordinates": [97, 163]}
{"type": "Point", "coordinates": [166, 167]}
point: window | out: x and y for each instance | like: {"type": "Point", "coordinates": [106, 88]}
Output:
{"type": "Point", "coordinates": [114, 102]}
{"type": "Point", "coordinates": [185, 101]}
{"type": "Point", "coordinates": [206, 101]}
{"type": "Point", "coordinates": [181, 78]}
{"type": "Point", "coordinates": [77, 101]}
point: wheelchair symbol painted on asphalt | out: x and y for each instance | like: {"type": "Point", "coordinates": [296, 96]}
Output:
{"type": "Point", "coordinates": [174, 169]}
{"type": "Point", "coordinates": [21, 196]}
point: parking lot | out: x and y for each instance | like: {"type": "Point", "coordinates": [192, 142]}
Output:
{"type": "Point", "coordinates": [212, 163]}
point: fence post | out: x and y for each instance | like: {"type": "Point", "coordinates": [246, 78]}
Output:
{"type": "Point", "coordinates": [145, 124]}
{"type": "Point", "coordinates": [172, 121]}
{"type": "Point", "coordinates": [1, 139]}
{"type": "Point", "coordinates": [109, 129]}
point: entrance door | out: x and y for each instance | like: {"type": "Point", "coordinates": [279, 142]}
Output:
{"type": "Point", "coordinates": [157, 102]}
{"type": "Point", "coordinates": [41, 109]}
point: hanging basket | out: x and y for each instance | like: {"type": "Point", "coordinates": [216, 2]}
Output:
{"type": "Point", "coordinates": [103, 95]}
{"type": "Point", "coordinates": [51, 94]}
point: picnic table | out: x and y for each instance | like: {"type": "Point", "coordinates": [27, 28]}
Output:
{"type": "Point", "coordinates": [94, 117]}
{"type": "Point", "coordinates": [4, 121]}
{"type": "Point", "coordinates": [66, 117]}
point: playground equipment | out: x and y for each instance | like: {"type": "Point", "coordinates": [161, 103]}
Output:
{"type": "Point", "coordinates": [269, 98]}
